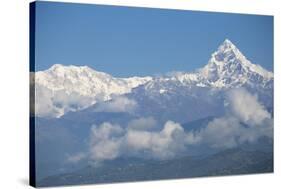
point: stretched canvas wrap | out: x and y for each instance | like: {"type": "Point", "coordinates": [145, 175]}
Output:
{"type": "Point", "coordinates": [123, 94]}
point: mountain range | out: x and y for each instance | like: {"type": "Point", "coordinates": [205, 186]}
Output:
{"type": "Point", "coordinates": [62, 89]}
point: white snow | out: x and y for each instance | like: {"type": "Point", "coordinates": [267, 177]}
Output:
{"type": "Point", "coordinates": [227, 67]}
{"type": "Point", "coordinates": [69, 88]}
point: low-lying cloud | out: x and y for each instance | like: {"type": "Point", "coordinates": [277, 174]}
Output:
{"type": "Point", "coordinates": [163, 144]}
{"type": "Point", "coordinates": [246, 121]}
{"type": "Point", "coordinates": [55, 103]}
{"type": "Point", "coordinates": [106, 141]}
{"type": "Point", "coordinates": [110, 141]}
{"type": "Point", "coordinates": [117, 104]}
{"type": "Point", "coordinates": [49, 103]}
{"type": "Point", "coordinates": [246, 107]}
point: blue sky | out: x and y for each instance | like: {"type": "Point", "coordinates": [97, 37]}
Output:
{"type": "Point", "coordinates": [127, 41]}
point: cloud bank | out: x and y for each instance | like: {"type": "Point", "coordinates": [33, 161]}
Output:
{"type": "Point", "coordinates": [55, 103]}
{"type": "Point", "coordinates": [49, 103]}
{"type": "Point", "coordinates": [245, 122]}
{"type": "Point", "coordinates": [110, 141]}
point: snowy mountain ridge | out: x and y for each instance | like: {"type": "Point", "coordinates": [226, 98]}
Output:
{"type": "Point", "coordinates": [61, 89]}
{"type": "Point", "coordinates": [227, 67]}
{"type": "Point", "coordinates": [69, 88]}
{"type": "Point", "coordinates": [86, 81]}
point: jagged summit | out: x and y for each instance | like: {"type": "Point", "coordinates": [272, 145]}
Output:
{"type": "Point", "coordinates": [227, 44]}
{"type": "Point", "coordinates": [228, 65]}
{"type": "Point", "coordinates": [227, 51]}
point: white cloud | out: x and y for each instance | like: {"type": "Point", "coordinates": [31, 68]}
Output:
{"type": "Point", "coordinates": [246, 121]}
{"type": "Point", "coordinates": [55, 103]}
{"type": "Point", "coordinates": [70, 101]}
{"type": "Point", "coordinates": [117, 104]}
{"type": "Point", "coordinates": [110, 141]}
{"type": "Point", "coordinates": [44, 104]}
{"type": "Point", "coordinates": [49, 103]}
{"type": "Point", "coordinates": [246, 107]}
{"type": "Point", "coordinates": [138, 140]}
{"type": "Point", "coordinates": [106, 149]}
{"type": "Point", "coordinates": [144, 137]}
{"type": "Point", "coordinates": [105, 141]}
{"type": "Point", "coordinates": [222, 132]}
{"type": "Point", "coordinates": [162, 144]}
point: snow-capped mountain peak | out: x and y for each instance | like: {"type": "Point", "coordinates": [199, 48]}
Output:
{"type": "Point", "coordinates": [228, 66]}
{"type": "Point", "coordinates": [227, 44]}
